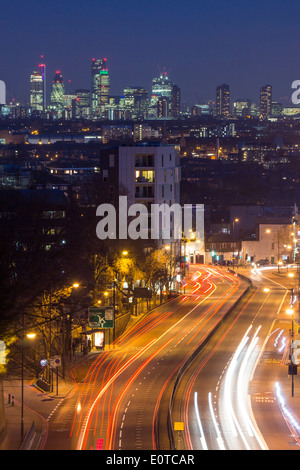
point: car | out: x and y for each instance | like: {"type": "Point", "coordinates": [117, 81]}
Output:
{"type": "Point", "coordinates": [263, 262]}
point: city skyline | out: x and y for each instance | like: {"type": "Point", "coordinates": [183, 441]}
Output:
{"type": "Point", "coordinates": [201, 46]}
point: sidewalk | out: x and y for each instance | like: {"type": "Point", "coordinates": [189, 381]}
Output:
{"type": "Point", "coordinates": [33, 422]}
{"type": "Point", "coordinates": [10, 438]}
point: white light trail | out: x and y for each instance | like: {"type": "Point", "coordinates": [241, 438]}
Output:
{"type": "Point", "coordinates": [287, 414]}
{"type": "Point", "coordinates": [229, 386]}
{"type": "Point", "coordinates": [202, 437]}
{"type": "Point", "coordinates": [219, 437]}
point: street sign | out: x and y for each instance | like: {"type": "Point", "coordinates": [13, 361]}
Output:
{"type": "Point", "coordinates": [142, 293]}
{"type": "Point", "coordinates": [101, 317]}
{"type": "Point", "coordinates": [178, 426]}
{"type": "Point", "coordinates": [296, 356]}
{"type": "Point", "coordinates": [55, 361]}
{"type": "Point", "coordinates": [292, 369]}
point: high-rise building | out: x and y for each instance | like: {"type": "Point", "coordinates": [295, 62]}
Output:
{"type": "Point", "coordinates": [265, 101]}
{"type": "Point", "coordinates": [36, 92]}
{"type": "Point", "coordinates": [103, 91]}
{"type": "Point", "coordinates": [97, 65]}
{"type": "Point", "coordinates": [57, 93]}
{"type": "Point", "coordinates": [100, 87]}
{"type": "Point", "coordinates": [38, 89]}
{"type": "Point", "coordinates": [242, 108]}
{"type": "Point", "coordinates": [136, 101]}
{"type": "Point", "coordinates": [83, 104]}
{"type": "Point", "coordinates": [162, 107]}
{"type": "Point", "coordinates": [163, 88]}
{"type": "Point", "coordinates": [223, 101]}
{"type": "Point", "coordinates": [42, 68]}
{"type": "Point", "coordinates": [276, 108]}
{"type": "Point", "coordinates": [175, 101]}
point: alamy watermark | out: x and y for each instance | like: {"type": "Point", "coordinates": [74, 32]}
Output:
{"type": "Point", "coordinates": [296, 94]}
{"type": "Point", "coordinates": [159, 221]}
{"type": "Point", "coordinates": [2, 92]}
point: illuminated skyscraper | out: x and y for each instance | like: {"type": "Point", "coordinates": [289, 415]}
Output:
{"type": "Point", "coordinates": [265, 101]}
{"type": "Point", "coordinates": [103, 91]}
{"type": "Point", "coordinates": [83, 108]}
{"type": "Point", "coordinates": [242, 108]}
{"type": "Point", "coordinates": [97, 65]}
{"type": "Point", "coordinates": [57, 93]}
{"type": "Point", "coordinates": [136, 101]}
{"type": "Point", "coordinates": [100, 87]}
{"type": "Point", "coordinates": [223, 101]}
{"type": "Point", "coordinates": [38, 89]}
{"type": "Point", "coordinates": [42, 68]}
{"type": "Point", "coordinates": [162, 87]}
{"type": "Point", "coordinates": [175, 101]}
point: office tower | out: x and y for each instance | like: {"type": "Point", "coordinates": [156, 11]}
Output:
{"type": "Point", "coordinates": [100, 87]}
{"type": "Point", "coordinates": [42, 68]}
{"type": "Point", "coordinates": [38, 89]}
{"type": "Point", "coordinates": [175, 101]}
{"type": "Point", "coordinates": [69, 106]}
{"type": "Point", "coordinates": [265, 101]}
{"type": "Point", "coordinates": [136, 101]}
{"type": "Point", "coordinates": [276, 108]}
{"type": "Point", "coordinates": [161, 88]}
{"type": "Point", "coordinates": [162, 107]}
{"type": "Point", "coordinates": [223, 101]}
{"type": "Point", "coordinates": [103, 91]}
{"type": "Point", "coordinates": [83, 104]}
{"type": "Point", "coordinates": [97, 65]}
{"type": "Point", "coordinates": [57, 93]}
{"type": "Point", "coordinates": [242, 108]}
{"type": "Point", "coordinates": [36, 92]}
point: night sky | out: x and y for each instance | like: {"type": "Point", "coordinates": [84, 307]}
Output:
{"type": "Point", "coordinates": [201, 44]}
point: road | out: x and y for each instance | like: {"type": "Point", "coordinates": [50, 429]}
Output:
{"type": "Point", "coordinates": [118, 401]}
{"type": "Point", "coordinates": [228, 398]}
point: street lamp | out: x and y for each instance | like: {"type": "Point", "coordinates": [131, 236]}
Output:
{"type": "Point", "coordinates": [30, 336]}
{"type": "Point", "coordinates": [233, 225]}
{"type": "Point", "coordinates": [290, 311]}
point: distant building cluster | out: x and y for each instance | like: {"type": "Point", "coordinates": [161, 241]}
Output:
{"type": "Point", "coordinates": [96, 102]}
{"type": "Point", "coordinates": [163, 101]}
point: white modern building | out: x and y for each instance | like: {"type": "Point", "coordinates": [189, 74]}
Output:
{"type": "Point", "coordinates": [150, 174]}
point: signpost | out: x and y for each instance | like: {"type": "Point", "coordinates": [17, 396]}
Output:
{"type": "Point", "coordinates": [101, 317]}
{"type": "Point", "coordinates": [55, 362]}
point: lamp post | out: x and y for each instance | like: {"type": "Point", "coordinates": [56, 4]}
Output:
{"type": "Point", "coordinates": [233, 234]}
{"type": "Point", "coordinates": [290, 311]}
{"type": "Point", "coordinates": [29, 335]}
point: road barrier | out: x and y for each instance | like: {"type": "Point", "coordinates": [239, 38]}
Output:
{"type": "Point", "coordinates": [27, 438]}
